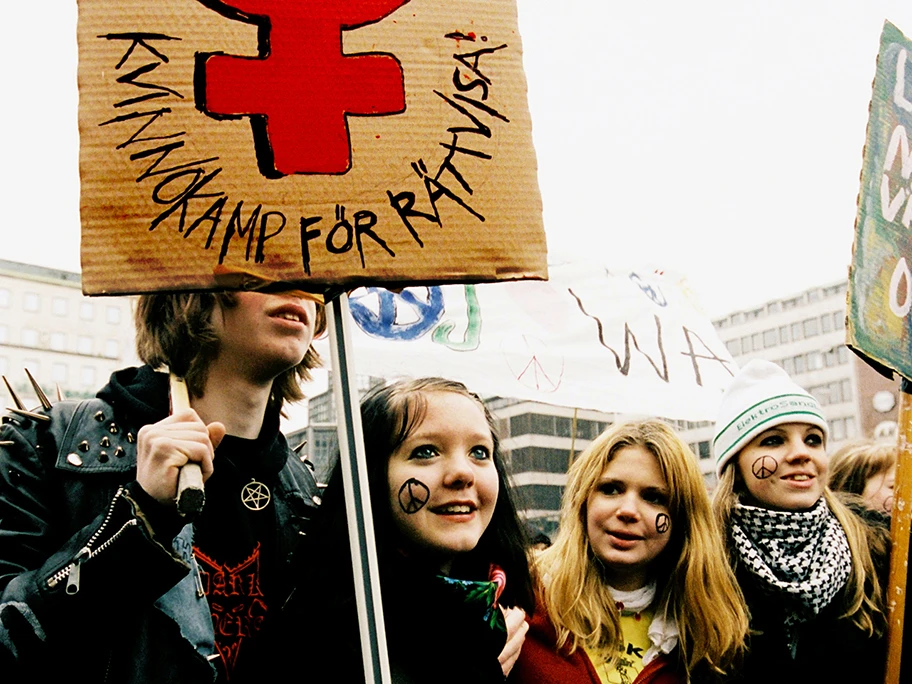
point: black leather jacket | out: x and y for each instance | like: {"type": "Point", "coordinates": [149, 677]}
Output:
{"type": "Point", "coordinates": [87, 589]}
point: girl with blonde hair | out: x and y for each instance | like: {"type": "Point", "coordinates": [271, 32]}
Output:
{"type": "Point", "coordinates": [635, 587]}
{"type": "Point", "coordinates": [866, 469]}
{"type": "Point", "coordinates": [802, 558]}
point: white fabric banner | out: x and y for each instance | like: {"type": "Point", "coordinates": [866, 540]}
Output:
{"type": "Point", "coordinates": [611, 340]}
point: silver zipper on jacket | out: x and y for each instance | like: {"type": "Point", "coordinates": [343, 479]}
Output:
{"type": "Point", "coordinates": [72, 571]}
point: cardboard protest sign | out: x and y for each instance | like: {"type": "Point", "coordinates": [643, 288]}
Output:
{"type": "Point", "coordinates": [630, 342]}
{"type": "Point", "coordinates": [880, 281]}
{"type": "Point", "coordinates": [226, 143]}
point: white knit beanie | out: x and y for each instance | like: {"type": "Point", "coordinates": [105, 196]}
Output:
{"type": "Point", "coordinates": [760, 396]}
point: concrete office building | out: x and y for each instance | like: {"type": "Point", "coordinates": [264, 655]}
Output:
{"type": "Point", "coordinates": [62, 337]}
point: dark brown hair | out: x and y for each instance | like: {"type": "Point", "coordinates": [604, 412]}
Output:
{"type": "Point", "coordinates": [175, 330]}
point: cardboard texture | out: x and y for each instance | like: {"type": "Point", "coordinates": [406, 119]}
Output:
{"type": "Point", "coordinates": [324, 144]}
{"type": "Point", "coordinates": [880, 282]}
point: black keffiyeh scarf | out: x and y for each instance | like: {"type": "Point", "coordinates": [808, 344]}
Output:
{"type": "Point", "coordinates": [802, 557]}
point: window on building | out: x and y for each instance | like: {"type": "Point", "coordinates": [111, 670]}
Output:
{"type": "Point", "coordinates": [774, 307]}
{"type": "Point", "coordinates": [757, 341]}
{"type": "Point", "coordinates": [835, 392]}
{"type": "Point", "coordinates": [746, 344]}
{"type": "Point", "coordinates": [783, 334]}
{"type": "Point", "coordinates": [811, 328]}
{"type": "Point", "coordinates": [563, 426]}
{"type": "Point", "coordinates": [87, 377]}
{"type": "Point", "coordinates": [800, 363]}
{"type": "Point", "coordinates": [837, 429]}
{"type": "Point", "coordinates": [846, 389]}
{"type": "Point", "coordinates": [788, 365]}
{"type": "Point", "coordinates": [29, 337]}
{"type": "Point", "coordinates": [770, 338]}
{"type": "Point", "coordinates": [539, 497]}
{"type": "Point", "coordinates": [839, 320]}
{"type": "Point", "coordinates": [703, 450]}
{"type": "Point", "coordinates": [112, 315]}
{"type": "Point", "coordinates": [586, 429]}
{"type": "Point", "coordinates": [520, 425]}
{"type": "Point", "coordinates": [826, 323]}
{"type": "Point", "coordinates": [813, 296]}
{"type": "Point", "coordinates": [734, 347]}
{"type": "Point", "coordinates": [796, 332]}
{"type": "Point", "coordinates": [87, 311]}
{"type": "Point", "coordinates": [814, 360]}
{"type": "Point", "coordinates": [112, 349]}
{"type": "Point", "coordinates": [737, 318]}
{"type": "Point", "coordinates": [84, 344]}
{"type": "Point", "coordinates": [843, 353]}
{"type": "Point", "coordinates": [58, 341]}
{"type": "Point", "coordinates": [60, 373]}
{"type": "Point", "coordinates": [820, 393]}
{"type": "Point", "coordinates": [4, 297]}
{"type": "Point", "coordinates": [59, 306]}
{"type": "Point", "coordinates": [31, 301]}
{"type": "Point", "coordinates": [851, 433]}
{"type": "Point", "coordinates": [542, 424]}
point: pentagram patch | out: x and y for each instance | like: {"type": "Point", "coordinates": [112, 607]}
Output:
{"type": "Point", "coordinates": [255, 495]}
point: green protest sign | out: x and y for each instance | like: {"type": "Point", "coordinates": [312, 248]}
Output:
{"type": "Point", "coordinates": [880, 283]}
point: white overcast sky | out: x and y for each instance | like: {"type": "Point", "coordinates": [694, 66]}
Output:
{"type": "Point", "coordinates": [721, 140]}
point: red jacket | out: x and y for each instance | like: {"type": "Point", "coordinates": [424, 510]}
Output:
{"type": "Point", "coordinates": [541, 663]}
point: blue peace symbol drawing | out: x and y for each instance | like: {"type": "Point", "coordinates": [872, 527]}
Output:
{"type": "Point", "coordinates": [390, 321]}
{"type": "Point", "coordinates": [654, 293]}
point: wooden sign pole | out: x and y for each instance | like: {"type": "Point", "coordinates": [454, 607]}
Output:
{"type": "Point", "coordinates": [357, 497]}
{"type": "Point", "coordinates": [900, 527]}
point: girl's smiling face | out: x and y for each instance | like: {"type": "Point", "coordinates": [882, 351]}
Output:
{"type": "Point", "coordinates": [628, 520]}
{"type": "Point", "coordinates": [785, 467]}
{"type": "Point", "coordinates": [443, 484]}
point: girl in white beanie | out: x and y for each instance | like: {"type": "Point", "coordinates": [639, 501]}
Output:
{"type": "Point", "coordinates": [801, 557]}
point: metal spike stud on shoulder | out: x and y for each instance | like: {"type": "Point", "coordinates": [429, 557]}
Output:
{"type": "Point", "coordinates": [60, 395]}
{"type": "Point", "coordinates": [16, 400]}
{"type": "Point", "coordinates": [300, 446]}
{"type": "Point", "coordinates": [6, 442]}
{"type": "Point", "coordinates": [42, 397]}
{"type": "Point", "coordinates": [29, 414]}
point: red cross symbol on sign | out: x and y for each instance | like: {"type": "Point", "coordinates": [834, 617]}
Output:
{"type": "Point", "coordinates": [301, 87]}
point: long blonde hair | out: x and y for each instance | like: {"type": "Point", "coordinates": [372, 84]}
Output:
{"type": "Point", "coordinates": [863, 591]}
{"type": "Point", "coordinates": [695, 585]}
{"type": "Point", "coordinates": [852, 465]}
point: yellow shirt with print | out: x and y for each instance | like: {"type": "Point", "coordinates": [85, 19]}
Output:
{"type": "Point", "coordinates": [635, 642]}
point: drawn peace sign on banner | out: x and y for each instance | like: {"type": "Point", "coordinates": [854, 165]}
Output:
{"type": "Point", "coordinates": [654, 293]}
{"type": "Point", "coordinates": [400, 315]}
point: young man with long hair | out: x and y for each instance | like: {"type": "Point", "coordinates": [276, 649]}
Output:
{"type": "Point", "coordinates": [99, 573]}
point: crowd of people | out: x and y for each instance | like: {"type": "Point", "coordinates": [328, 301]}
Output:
{"type": "Point", "coordinates": [780, 577]}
